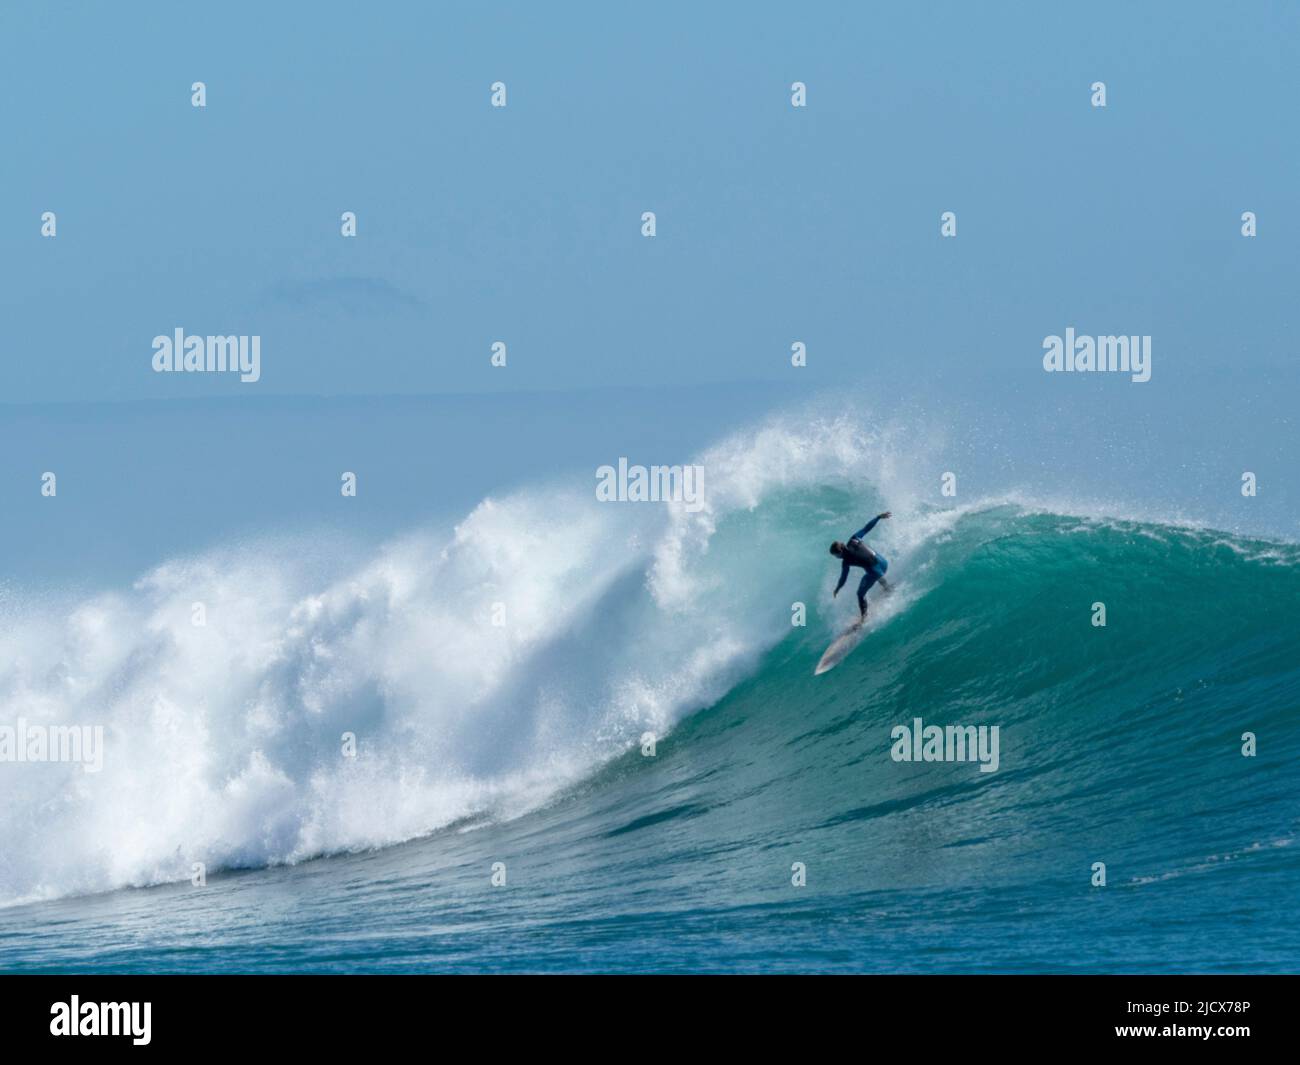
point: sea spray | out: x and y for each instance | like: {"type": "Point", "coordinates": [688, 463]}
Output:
{"type": "Point", "coordinates": [479, 669]}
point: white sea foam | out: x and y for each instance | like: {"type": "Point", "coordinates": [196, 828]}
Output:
{"type": "Point", "coordinates": [223, 742]}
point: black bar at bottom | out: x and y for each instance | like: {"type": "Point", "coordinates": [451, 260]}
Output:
{"type": "Point", "coordinates": [377, 1013]}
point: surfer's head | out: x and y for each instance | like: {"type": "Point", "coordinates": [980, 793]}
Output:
{"type": "Point", "coordinates": [837, 549]}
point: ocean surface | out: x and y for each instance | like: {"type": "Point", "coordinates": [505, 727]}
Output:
{"type": "Point", "coordinates": [507, 675]}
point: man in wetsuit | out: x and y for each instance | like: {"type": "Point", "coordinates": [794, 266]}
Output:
{"type": "Point", "coordinates": [856, 553]}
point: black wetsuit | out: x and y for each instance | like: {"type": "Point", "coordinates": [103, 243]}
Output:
{"type": "Point", "coordinates": [856, 553]}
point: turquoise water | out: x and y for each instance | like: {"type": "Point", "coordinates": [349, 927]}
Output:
{"type": "Point", "coordinates": [1118, 744]}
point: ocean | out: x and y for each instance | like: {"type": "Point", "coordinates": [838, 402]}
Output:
{"type": "Point", "coordinates": [586, 737]}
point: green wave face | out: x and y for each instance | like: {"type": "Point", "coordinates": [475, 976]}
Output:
{"type": "Point", "coordinates": [1119, 744]}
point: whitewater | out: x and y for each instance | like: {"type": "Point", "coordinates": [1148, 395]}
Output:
{"type": "Point", "coordinates": [224, 739]}
{"type": "Point", "coordinates": [502, 673]}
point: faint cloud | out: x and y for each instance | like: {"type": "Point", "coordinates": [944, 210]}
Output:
{"type": "Point", "coordinates": [348, 295]}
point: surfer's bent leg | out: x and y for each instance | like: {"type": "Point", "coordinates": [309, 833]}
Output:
{"type": "Point", "coordinates": [882, 565]}
{"type": "Point", "coordinates": [868, 579]}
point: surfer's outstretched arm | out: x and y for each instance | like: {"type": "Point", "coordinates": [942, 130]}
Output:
{"type": "Point", "coordinates": [844, 576]}
{"type": "Point", "coordinates": [869, 526]}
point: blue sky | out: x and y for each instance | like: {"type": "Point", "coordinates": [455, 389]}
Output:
{"type": "Point", "coordinates": [522, 224]}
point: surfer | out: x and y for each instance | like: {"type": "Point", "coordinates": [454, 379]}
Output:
{"type": "Point", "coordinates": [856, 553]}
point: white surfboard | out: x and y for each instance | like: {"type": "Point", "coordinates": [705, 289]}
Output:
{"type": "Point", "coordinates": [844, 643]}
